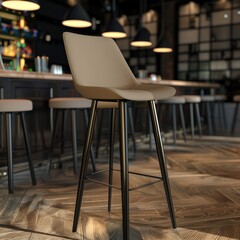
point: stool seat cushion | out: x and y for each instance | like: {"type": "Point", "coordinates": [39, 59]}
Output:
{"type": "Point", "coordinates": [220, 97]}
{"type": "Point", "coordinates": [78, 103]}
{"type": "Point", "coordinates": [15, 105]}
{"type": "Point", "coordinates": [207, 98]}
{"type": "Point", "coordinates": [236, 98]}
{"type": "Point", "coordinates": [107, 104]}
{"type": "Point", "coordinates": [69, 103]}
{"type": "Point", "coordinates": [174, 100]}
{"type": "Point", "coordinates": [192, 98]}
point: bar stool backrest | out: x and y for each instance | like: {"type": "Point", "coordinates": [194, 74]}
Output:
{"type": "Point", "coordinates": [97, 62]}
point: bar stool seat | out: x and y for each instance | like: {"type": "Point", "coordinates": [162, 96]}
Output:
{"type": "Point", "coordinates": [69, 103]}
{"type": "Point", "coordinates": [15, 105]}
{"type": "Point", "coordinates": [207, 98]}
{"type": "Point", "coordinates": [9, 107]}
{"type": "Point", "coordinates": [220, 97]}
{"type": "Point", "coordinates": [173, 101]}
{"type": "Point", "coordinates": [194, 100]}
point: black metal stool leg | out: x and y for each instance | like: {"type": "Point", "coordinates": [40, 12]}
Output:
{"type": "Point", "coordinates": [174, 123]}
{"type": "Point", "coordinates": [52, 140]}
{"type": "Point", "coordinates": [111, 156]}
{"type": "Point", "coordinates": [99, 133]}
{"type": "Point", "coordinates": [91, 150]}
{"type": "Point", "coordinates": [234, 118]}
{"type": "Point", "coordinates": [209, 118]}
{"type": "Point", "coordinates": [162, 161]}
{"type": "Point", "coordinates": [9, 149]}
{"type": "Point", "coordinates": [31, 168]}
{"type": "Point", "coordinates": [182, 122]}
{"type": "Point", "coordinates": [74, 140]}
{"type": "Point", "coordinates": [130, 116]}
{"type": "Point", "coordinates": [191, 119]}
{"type": "Point", "coordinates": [84, 165]}
{"type": "Point", "coordinates": [198, 119]}
{"type": "Point", "coordinates": [124, 168]}
{"type": "Point", "coordinates": [64, 130]}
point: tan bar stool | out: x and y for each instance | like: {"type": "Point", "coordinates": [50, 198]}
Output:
{"type": "Point", "coordinates": [206, 101]}
{"type": "Point", "coordinates": [69, 104]}
{"type": "Point", "coordinates": [101, 73]}
{"type": "Point", "coordinates": [236, 99]}
{"type": "Point", "coordinates": [173, 102]}
{"type": "Point", "coordinates": [9, 107]}
{"type": "Point", "coordinates": [194, 100]}
{"type": "Point", "coordinates": [113, 105]}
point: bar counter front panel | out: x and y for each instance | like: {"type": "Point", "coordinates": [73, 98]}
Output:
{"type": "Point", "coordinates": [39, 87]}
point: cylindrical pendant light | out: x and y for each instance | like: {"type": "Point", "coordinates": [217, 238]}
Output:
{"type": "Point", "coordinates": [77, 17]}
{"type": "Point", "coordinates": [21, 5]}
{"type": "Point", "coordinates": [113, 29]}
{"type": "Point", "coordinates": [142, 38]}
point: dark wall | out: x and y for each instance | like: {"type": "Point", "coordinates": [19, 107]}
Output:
{"type": "Point", "coordinates": [48, 21]}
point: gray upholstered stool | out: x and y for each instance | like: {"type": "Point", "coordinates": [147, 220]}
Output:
{"type": "Point", "coordinates": [173, 102]}
{"type": "Point", "coordinates": [194, 100]}
{"type": "Point", "coordinates": [9, 107]}
{"type": "Point", "coordinates": [71, 104]}
{"type": "Point", "coordinates": [206, 101]}
{"type": "Point", "coordinates": [236, 99]}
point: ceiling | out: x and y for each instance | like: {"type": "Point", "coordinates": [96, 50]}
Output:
{"type": "Point", "coordinates": [96, 8]}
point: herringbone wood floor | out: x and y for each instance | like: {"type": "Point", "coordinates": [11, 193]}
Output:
{"type": "Point", "coordinates": [205, 182]}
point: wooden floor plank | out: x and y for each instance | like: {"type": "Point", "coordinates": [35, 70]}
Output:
{"type": "Point", "coordinates": [205, 183]}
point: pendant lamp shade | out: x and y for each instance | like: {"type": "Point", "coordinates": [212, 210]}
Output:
{"type": "Point", "coordinates": [21, 5]}
{"type": "Point", "coordinates": [77, 17]}
{"type": "Point", "coordinates": [113, 29]}
{"type": "Point", "coordinates": [142, 38]}
{"type": "Point", "coordinates": [163, 47]}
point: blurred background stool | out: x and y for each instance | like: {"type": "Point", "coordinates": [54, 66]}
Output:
{"type": "Point", "coordinates": [218, 106]}
{"type": "Point", "coordinates": [236, 99]}
{"type": "Point", "coordinates": [8, 107]}
{"type": "Point", "coordinates": [207, 108]}
{"type": "Point", "coordinates": [64, 105]}
{"type": "Point", "coordinates": [103, 106]}
{"type": "Point", "coordinates": [194, 100]}
{"type": "Point", "coordinates": [172, 102]}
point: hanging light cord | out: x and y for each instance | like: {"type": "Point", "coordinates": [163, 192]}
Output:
{"type": "Point", "coordinates": [114, 8]}
{"type": "Point", "coordinates": [162, 21]}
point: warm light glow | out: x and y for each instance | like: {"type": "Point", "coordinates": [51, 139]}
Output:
{"type": "Point", "coordinates": [77, 23]}
{"type": "Point", "coordinates": [22, 23]}
{"type": "Point", "coordinates": [114, 34]}
{"type": "Point", "coordinates": [21, 5]}
{"type": "Point", "coordinates": [141, 44]}
{"type": "Point", "coordinates": [22, 41]}
{"type": "Point", "coordinates": [162, 50]}
{"type": "Point", "coordinates": [22, 64]}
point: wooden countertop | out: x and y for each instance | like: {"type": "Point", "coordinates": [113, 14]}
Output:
{"type": "Point", "coordinates": [181, 83]}
{"type": "Point", "coordinates": [68, 77]}
{"type": "Point", "coordinates": [34, 75]}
